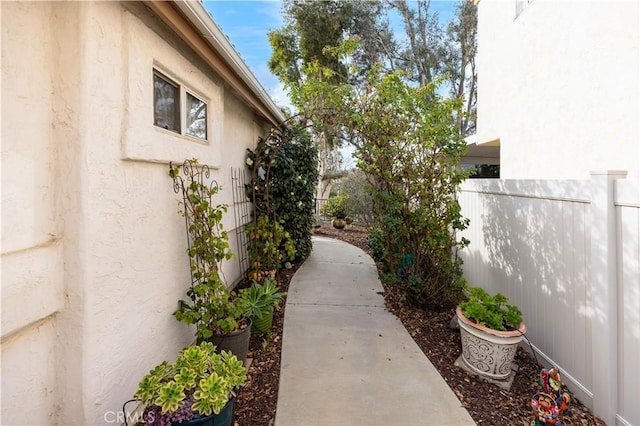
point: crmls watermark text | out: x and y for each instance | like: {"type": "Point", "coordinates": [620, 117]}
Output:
{"type": "Point", "coordinates": [119, 417]}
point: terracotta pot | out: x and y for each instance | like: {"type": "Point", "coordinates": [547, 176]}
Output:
{"type": "Point", "coordinates": [488, 352]}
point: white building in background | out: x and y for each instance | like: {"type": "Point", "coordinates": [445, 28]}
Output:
{"type": "Point", "coordinates": [93, 249]}
{"type": "Point", "coordinates": [559, 86]}
{"type": "Point", "coordinates": [559, 233]}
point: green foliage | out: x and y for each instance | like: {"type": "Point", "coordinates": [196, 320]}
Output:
{"type": "Point", "coordinates": [211, 307]}
{"type": "Point", "coordinates": [355, 186]}
{"type": "Point", "coordinates": [376, 243]}
{"type": "Point", "coordinates": [425, 52]}
{"type": "Point", "coordinates": [389, 278]}
{"type": "Point", "coordinates": [493, 312]}
{"type": "Point", "coordinates": [262, 298]}
{"type": "Point", "coordinates": [313, 26]}
{"type": "Point", "coordinates": [198, 371]}
{"type": "Point", "coordinates": [337, 206]}
{"type": "Point", "coordinates": [409, 149]}
{"type": "Point", "coordinates": [284, 177]}
{"type": "Point", "coordinates": [411, 154]}
{"type": "Point", "coordinates": [269, 246]}
{"type": "Point", "coordinates": [458, 63]}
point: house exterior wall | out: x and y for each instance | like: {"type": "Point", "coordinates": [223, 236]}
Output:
{"type": "Point", "coordinates": [559, 86]}
{"type": "Point", "coordinates": [93, 249]}
{"type": "Point", "coordinates": [32, 229]}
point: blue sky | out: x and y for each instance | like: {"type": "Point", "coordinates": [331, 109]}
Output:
{"type": "Point", "coordinates": [247, 23]}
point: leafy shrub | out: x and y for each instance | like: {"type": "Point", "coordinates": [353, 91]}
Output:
{"type": "Point", "coordinates": [411, 152]}
{"type": "Point", "coordinates": [337, 206]}
{"type": "Point", "coordinates": [284, 178]}
{"type": "Point", "coordinates": [355, 186]}
{"type": "Point", "coordinates": [269, 246]}
{"type": "Point", "coordinates": [376, 243]}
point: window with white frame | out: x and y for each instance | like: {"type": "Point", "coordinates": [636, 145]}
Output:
{"type": "Point", "coordinates": [172, 102]}
{"type": "Point", "coordinates": [166, 100]}
{"type": "Point", "coordinates": [196, 117]}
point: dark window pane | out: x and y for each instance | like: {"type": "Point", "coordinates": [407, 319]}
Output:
{"type": "Point", "coordinates": [196, 117]}
{"type": "Point", "coordinates": [166, 100]}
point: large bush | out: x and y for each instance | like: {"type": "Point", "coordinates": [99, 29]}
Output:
{"type": "Point", "coordinates": [409, 148]}
{"type": "Point", "coordinates": [284, 178]}
{"type": "Point", "coordinates": [411, 154]}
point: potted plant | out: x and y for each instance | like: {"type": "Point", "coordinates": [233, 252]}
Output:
{"type": "Point", "coordinates": [338, 208]}
{"type": "Point", "coordinates": [217, 313]}
{"type": "Point", "coordinates": [490, 331]}
{"type": "Point", "coordinates": [262, 300]}
{"type": "Point", "coordinates": [199, 388]}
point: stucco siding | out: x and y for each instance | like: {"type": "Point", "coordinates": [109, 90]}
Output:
{"type": "Point", "coordinates": [136, 257]}
{"type": "Point", "coordinates": [93, 247]}
{"type": "Point", "coordinates": [32, 274]}
{"type": "Point", "coordinates": [559, 85]}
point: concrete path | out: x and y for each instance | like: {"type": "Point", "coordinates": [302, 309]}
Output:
{"type": "Point", "coordinates": [345, 359]}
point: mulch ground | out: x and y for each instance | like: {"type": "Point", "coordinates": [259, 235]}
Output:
{"type": "Point", "coordinates": [487, 404]}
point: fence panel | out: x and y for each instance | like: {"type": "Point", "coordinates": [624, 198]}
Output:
{"type": "Point", "coordinates": [627, 200]}
{"type": "Point", "coordinates": [530, 240]}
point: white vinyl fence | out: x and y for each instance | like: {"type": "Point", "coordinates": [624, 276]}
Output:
{"type": "Point", "coordinates": [567, 252]}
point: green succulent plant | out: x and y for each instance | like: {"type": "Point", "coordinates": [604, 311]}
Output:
{"type": "Point", "coordinates": [493, 312]}
{"type": "Point", "coordinates": [261, 299]}
{"type": "Point", "coordinates": [200, 381]}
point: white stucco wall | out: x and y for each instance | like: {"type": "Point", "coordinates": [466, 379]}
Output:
{"type": "Point", "coordinates": [560, 86]}
{"type": "Point", "coordinates": [32, 267]}
{"type": "Point", "coordinates": [93, 249]}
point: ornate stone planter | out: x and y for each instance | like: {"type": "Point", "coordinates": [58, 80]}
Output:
{"type": "Point", "coordinates": [488, 352]}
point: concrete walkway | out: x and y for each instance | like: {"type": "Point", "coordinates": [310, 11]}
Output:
{"type": "Point", "coordinates": [345, 359]}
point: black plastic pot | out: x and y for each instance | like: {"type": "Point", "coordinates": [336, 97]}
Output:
{"type": "Point", "coordinates": [236, 342]}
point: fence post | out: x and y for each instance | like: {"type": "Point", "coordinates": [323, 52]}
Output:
{"type": "Point", "coordinates": [604, 295]}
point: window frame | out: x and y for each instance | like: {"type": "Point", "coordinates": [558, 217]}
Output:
{"type": "Point", "coordinates": [183, 94]}
{"type": "Point", "coordinates": [206, 116]}
{"type": "Point", "coordinates": [178, 115]}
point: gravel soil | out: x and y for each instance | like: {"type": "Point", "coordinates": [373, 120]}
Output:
{"type": "Point", "coordinates": [487, 404]}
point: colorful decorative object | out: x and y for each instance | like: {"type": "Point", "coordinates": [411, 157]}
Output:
{"type": "Point", "coordinates": [552, 402]}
